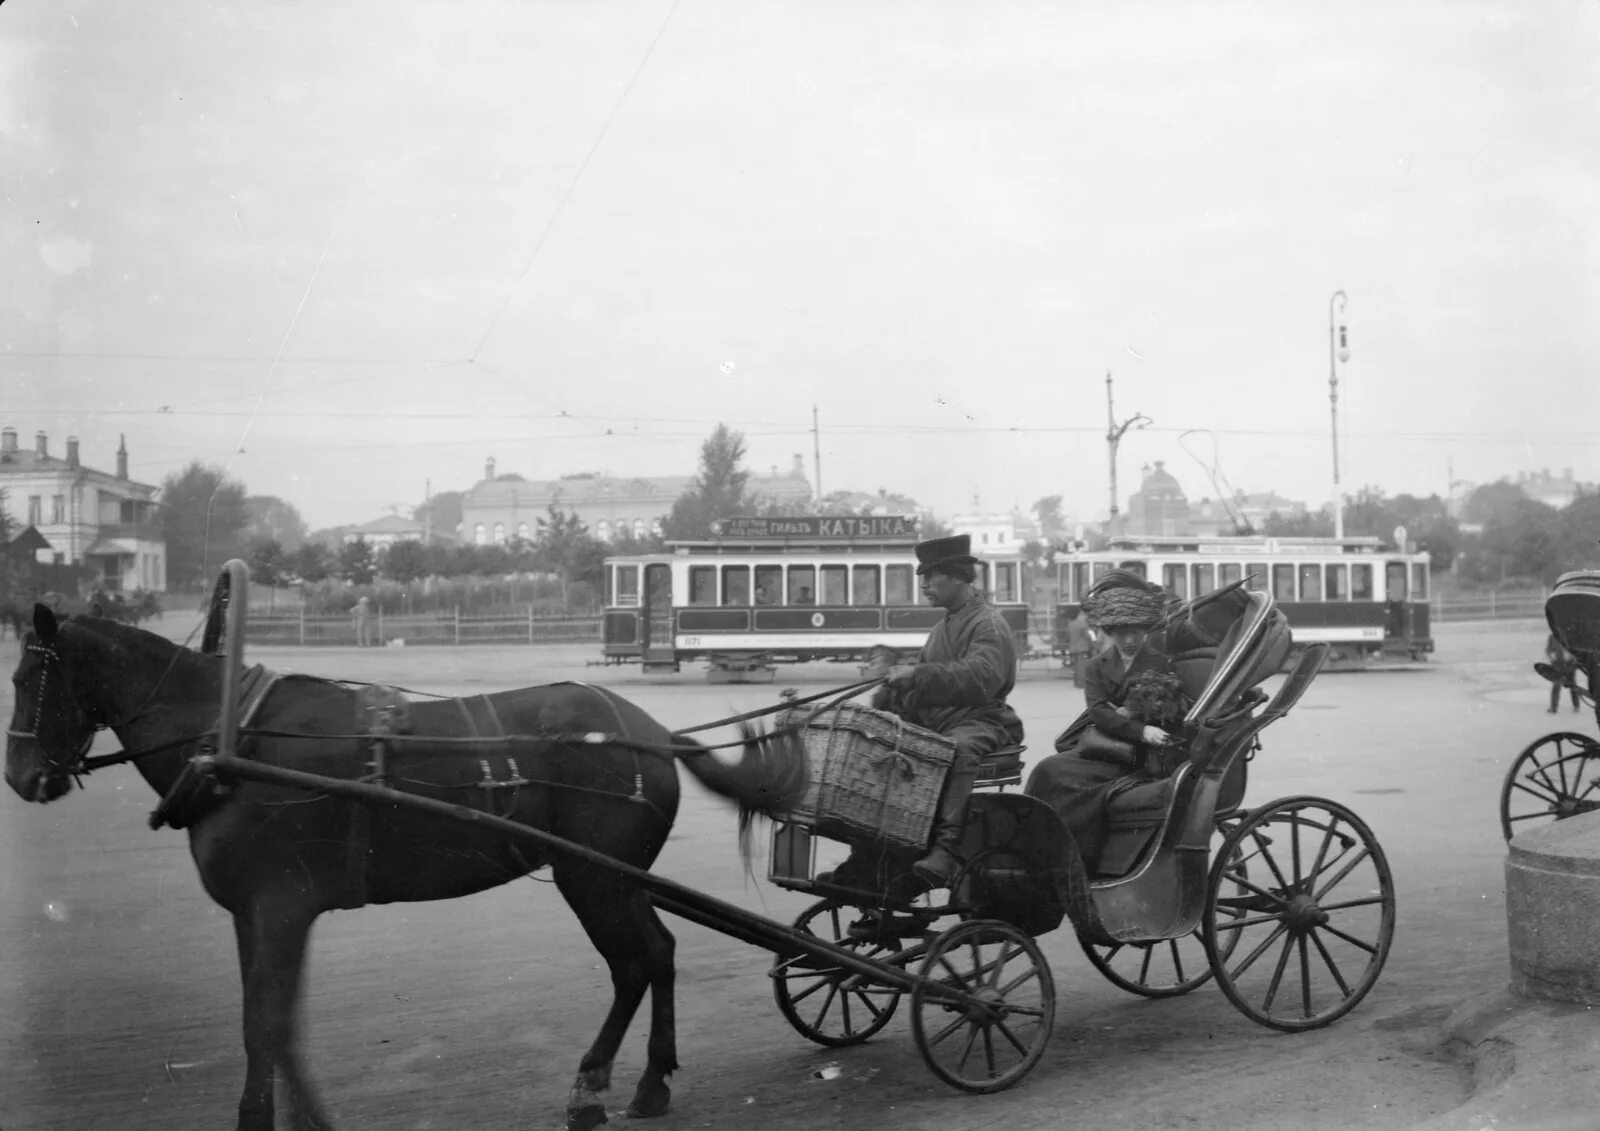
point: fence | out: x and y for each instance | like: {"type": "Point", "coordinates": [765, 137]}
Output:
{"type": "Point", "coordinates": [295, 627]}
{"type": "Point", "coordinates": [1490, 605]}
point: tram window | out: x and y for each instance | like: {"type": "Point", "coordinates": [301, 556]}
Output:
{"type": "Point", "coordinates": [1134, 567]}
{"type": "Point", "coordinates": [981, 582]}
{"type": "Point", "coordinates": [735, 585]}
{"type": "Point", "coordinates": [1205, 578]}
{"type": "Point", "coordinates": [1419, 582]}
{"type": "Point", "coordinates": [1100, 570]}
{"type": "Point", "coordinates": [702, 585]}
{"type": "Point", "coordinates": [802, 585]}
{"type": "Point", "coordinates": [1310, 582]}
{"type": "Point", "coordinates": [1394, 581]}
{"type": "Point", "coordinates": [1361, 583]}
{"type": "Point", "coordinates": [835, 584]}
{"type": "Point", "coordinates": [1255, 580]}
{"type": "Point", "coordinates": [897, 586]}
{"type": "Point", "coordinates": [864, 585]}
{"type": "Point", "coordinates": [1005, 591]}
{"type": "Point", "coordinates": [1175, 580]}
{"type": "Point", "coordinates": [769, 583]}
{"type": "Point", "coordinates": [1335, 584]}
{"type": "Point", "coordinates": [1283, 582]}
{"type": "Point", "coordinates": [627, 586]}
{"type": "Point", "coordinates": [1080, 581]}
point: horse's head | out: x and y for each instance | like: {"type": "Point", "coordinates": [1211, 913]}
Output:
{"type": "Point", "coordinates": [50, 732]}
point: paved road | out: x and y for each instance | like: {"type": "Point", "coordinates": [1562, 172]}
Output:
{"type": "Point", "coordinates": [119, 992]}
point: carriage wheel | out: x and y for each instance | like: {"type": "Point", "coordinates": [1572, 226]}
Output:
{"type": "Point", "coordinates": [1165, 967]}
{"type": "Point", "coordinates": [1308, 936]}
{"type": "Point", "coordinates": [982, 1013]}
{"type": "Point", "coordinates": [1554, 778]}
{"type": "Point", "coordinates": [829, 1004]}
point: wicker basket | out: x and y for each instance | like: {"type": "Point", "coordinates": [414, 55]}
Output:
{"type": "Point", "coordinates": [874, 777]}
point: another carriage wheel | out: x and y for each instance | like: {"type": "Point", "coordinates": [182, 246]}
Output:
{"type": "Point", "coordinates": [826, 1003]}
{"type": "Point", "coordinates": [1554, 778]}
{"type": "Point", "coordinates": [1166, 967]}
{"type": "Point", "coordinates": [1308, 936]}
{"type": "Point", "coordinates": [983, 1011]}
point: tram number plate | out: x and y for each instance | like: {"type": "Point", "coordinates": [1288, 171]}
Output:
{"type": "Point", "coordinates": [690, 641]}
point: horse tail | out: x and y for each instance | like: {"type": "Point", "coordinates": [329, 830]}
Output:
{"type": "Point", "coordinates": [769, 779]}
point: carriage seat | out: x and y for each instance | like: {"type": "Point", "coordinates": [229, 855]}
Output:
{"type": "Point", "coordinates": [1000, 768]}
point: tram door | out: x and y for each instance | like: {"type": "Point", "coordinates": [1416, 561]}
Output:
{"type": "Point", "coordinates": [1397, 610]}
{"type": "Point", "coordinates": [657, 616]}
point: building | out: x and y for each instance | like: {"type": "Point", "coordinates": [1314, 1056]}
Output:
{"type": "Point", "coordinates": [1159, 506]}
{"type": "Point", "coordinates": [995, 533]}
{"type": "Point", "coordinates": [501, 507]}
{"type": "Point", "coordinates": [392, 528]}
{"type": "Point", "coordinates": [1551, 490]}
{"type": "Point", "coordinates": [108, 523]}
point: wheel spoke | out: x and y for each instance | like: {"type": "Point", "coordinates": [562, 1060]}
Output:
{"type": "Point", "coordinates": [827, 1003]}
{"type": "Point", "coordinates": [1344, 905]}
{"type": "Point", "coordinates": [1370, 948]}
{"type": "Point", "coordinates": [1349, 867]}
{"type": "Point", "coordinates": [820, 983]}
{"type": "Point", "coordinates": [1322, 849]}
{"type": "Point", "coordinates": [1272, 865]}
{"type": "Point", "coordinates": [1240, 924]}
{"type": "Point", "coordinates": [1005, 1031]}
{"type": "Point", "coordinates": [1305, 977]}
{"type": "Point", "coordinates": [1260, 949]}
{"type": "Point", "coordinates": [1021, 979]}
{"type": "Point", "coordinates": [988, 1052]}
{"type": "Point", "coordinates": [1548, 797]}
{"type": "Point", "coordinates": [1177, 958]}
{"type": "Point", "coordinates": [1333, 967]}
{"type": "Point", "coordinates": [1277, 974]}
{"type": "Point", "coordinates": [940, 1037]}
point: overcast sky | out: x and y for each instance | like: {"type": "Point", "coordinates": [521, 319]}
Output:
{"type": "Point", "coordinates": [350, 250]}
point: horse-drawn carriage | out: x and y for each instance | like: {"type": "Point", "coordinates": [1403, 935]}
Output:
{"type": "Point", "coordinates": [1558, 775]}
{"type": "Point", "coordinates": [303, 795]}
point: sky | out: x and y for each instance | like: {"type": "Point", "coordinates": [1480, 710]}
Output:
{"type": "Point", "coordinates": [348, 252]}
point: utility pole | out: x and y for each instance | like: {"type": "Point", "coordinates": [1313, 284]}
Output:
{"type": "Point", "coordinates": [816, 454]}
{"type": "Point", "coordinates": [1114, 433]}
{"type": "Point", "coordinates": [1338, 350]}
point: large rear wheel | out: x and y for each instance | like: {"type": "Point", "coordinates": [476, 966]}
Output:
{"type": "Point", "coordinates": [825, 1002]}
{"type": "Point", "coordinates": [1300, 914]}
{"type": "Point", "coordinates": [983, 1016]}
{"type": "Point", "coordinates": [1552, 779]}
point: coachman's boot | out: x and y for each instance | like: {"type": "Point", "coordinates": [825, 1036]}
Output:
{"type": "Point", "coordinates": [939, 866]}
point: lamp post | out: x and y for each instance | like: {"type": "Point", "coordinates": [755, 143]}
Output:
{"type": "Point", "coordinates": [1114, 433]}
{"type": "Point", "coordinates": [1338, 351]}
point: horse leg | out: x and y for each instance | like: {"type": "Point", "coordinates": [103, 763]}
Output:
{"type": "Point", "coordinates": [272, 937]}
{"type": "Point", "coordinates": [652, 1095]}
{"type": "Point", "coordinates": [617, 918]}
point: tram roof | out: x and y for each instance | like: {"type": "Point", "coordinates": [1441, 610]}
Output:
{"type": "Point", "coordinates": [1257, 544]}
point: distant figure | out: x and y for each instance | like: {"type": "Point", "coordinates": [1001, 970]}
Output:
{"type": "Point", "coordinates": [1566, 666]}
{"type": "Point", "coordinates": [1080, 645]}
{"type": "Point", "coordinates": [804, 597]}
{"type": "Point", "coordinates": [764, 594]}
{"type": "Point", "coordinates": [362, 615]}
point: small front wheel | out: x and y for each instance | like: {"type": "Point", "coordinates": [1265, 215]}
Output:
{"type": "Point", "coordinates": [982, 1012]}
{"type": "Point", "coordinates": [1299, 913]}
{"type": "Point", "coordinates": [826, 1003]}
{"type": "Point", "coordinates": [1554, 778]}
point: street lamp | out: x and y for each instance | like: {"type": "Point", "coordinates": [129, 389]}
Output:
{"type": "Point", "coordinates": [1114, 433]}
{"type": "Point", "coordinates": [1338, 351]}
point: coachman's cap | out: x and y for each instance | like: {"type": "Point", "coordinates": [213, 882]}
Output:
{"type": "Point", "coordinates": [936, 552]}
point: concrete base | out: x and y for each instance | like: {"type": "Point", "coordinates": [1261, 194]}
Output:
{"type": "Point", "coordinates": [1553, 910]}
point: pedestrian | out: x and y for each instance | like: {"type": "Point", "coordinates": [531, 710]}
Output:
{"type": "Point", "coordinates": [362, 615]}
{"type": "Point", "coordinates": [1080, 645]}
{"type": "Point", "coordinates": [1566, 671]}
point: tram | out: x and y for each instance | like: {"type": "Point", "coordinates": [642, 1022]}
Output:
{"type": "Point", "coordinates": [1366, 600]}
{"type": "Point", "coordinates": [764, 591]}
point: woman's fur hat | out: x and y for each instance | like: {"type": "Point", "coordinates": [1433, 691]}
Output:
{"type": "Point", "coordinates": [1122, 597]}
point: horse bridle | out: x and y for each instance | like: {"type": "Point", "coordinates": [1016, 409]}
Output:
{"type": "Point", "coordinates": [72, 764]}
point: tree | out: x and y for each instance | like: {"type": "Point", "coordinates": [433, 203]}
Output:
{"type": "Point", "coordinates": [311, 563]}
{"type": "Point", "coordinates": [931, 526]}
{"type": "Point", "coordinates": [269, 565]}
{"type": "Point", "coordinates": [274, 519]}
{"type": "Point", "coordinates": [566, 549]}
{"type": "Point", "coordinates": [203, 519]}
{"type": "Point", "coordinates": [356, 562]}
{"type": "Point", "coordinates": [441, 513]}
{"type": "Point", "coordinates": [404, 561]}
{"type": "Point", "coordinates": [718, 490]}
{"type": "Point", "coordinates": [1052, 523]}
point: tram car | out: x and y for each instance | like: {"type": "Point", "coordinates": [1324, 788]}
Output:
{"type": "Point", "coordinates": [1364, 599]}
{"type": "Point", "coordinates": [765, 591]}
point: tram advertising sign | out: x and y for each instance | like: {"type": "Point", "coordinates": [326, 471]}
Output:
{"type": "Point", "coordinates": [843, 527]}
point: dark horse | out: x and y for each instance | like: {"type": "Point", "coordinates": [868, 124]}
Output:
{"type": "Point", "coordinates": [276, 858]}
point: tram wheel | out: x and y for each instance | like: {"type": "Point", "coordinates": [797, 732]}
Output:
{"type": "Point", "coordinates": [982, 1013]}
{"type": "Point", "coordinates": [825, 1003]}
{"type": "Point", "coordinates": [1546, 782]}
{"type": "Point", "coordinates": [1299, 917]}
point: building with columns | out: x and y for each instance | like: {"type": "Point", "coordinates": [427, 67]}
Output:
{"type": "Point", "coordinates": [107, 522]}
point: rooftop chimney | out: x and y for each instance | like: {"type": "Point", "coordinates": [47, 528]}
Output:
{"type": "Point", "coordinates": [122, 456]}
{"type": "Point", "coordinates": [488, 468]}
{"type": "Point", "coordinates": [8, 439]}
{"type": "Point", "coordinates": [72, 451]}
{"type": "Point", "coordinates": [799, 464]}
{"type": "Point", "coordinates": [41, 444]}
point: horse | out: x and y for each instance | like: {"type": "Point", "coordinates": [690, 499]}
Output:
{"type": "Point", "coordinates": [277, 858]}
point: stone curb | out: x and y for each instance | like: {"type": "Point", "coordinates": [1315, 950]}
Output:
{"type": "Point", "coordinates": [1532, 1063]}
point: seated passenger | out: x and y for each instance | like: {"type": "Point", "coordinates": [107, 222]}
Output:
{"type": "Point", "coordinates": [1078, 781]}
{"type": "Point", "coordinates": [957, 687]}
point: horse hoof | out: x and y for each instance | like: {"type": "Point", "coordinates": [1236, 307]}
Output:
{"type": "Point", "coordinates": [586, 1118]}
{"type": "Point", "coordinates": [650, 1102]}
